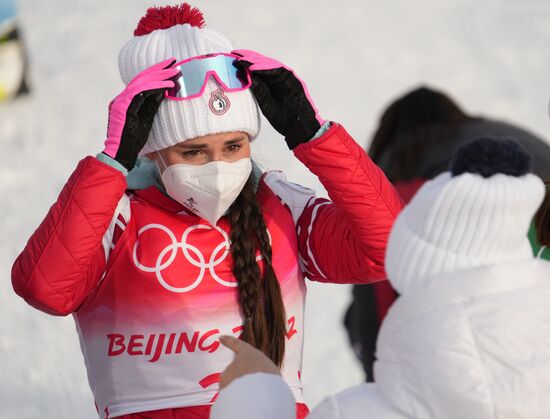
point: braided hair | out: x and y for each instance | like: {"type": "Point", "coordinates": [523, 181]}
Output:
{"type": "Point", "coordinates": [259, 294]}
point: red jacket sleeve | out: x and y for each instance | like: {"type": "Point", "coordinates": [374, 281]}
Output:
{"type": "Point", "coordinates": [64, 258]}
{"type": "Point", "coordinates": [345, 240]}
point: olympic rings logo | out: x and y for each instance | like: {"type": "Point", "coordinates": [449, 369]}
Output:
{"type": "Point", "coordinates": [193, 255]}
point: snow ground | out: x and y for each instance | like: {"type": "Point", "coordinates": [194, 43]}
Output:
{"type": "Point", "coordinates": [491, 55]}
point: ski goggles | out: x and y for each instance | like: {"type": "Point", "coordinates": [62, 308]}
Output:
{"type": "Point", "coordinates": [195, 72]}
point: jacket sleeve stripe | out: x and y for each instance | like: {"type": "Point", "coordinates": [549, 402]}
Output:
{"type": "Point", "coordinates": [121, 218]}
{"type": "Point", "coordinates": [311, 257]}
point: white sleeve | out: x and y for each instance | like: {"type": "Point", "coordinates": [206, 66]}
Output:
{"type": "Point", "coordinates": [254, 396]}
{"type": "Point", "coordinates": [294, 196]}
{"type": "Point", "coordinates": [327, 409]}
{"type": "Point", "coordinates": [118, 224]}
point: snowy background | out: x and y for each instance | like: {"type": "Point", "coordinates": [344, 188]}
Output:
{"type": "Point", "coordinates": [493, 56]}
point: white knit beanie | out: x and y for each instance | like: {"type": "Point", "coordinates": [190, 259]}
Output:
{"type": "Point", "coordinates": [477, 214]}
{"type": "Point", "coordinates": [179, 32]}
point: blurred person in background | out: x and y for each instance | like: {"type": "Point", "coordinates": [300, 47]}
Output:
{"type": "Point", "coordinates": [539, 233]}
{"type": "Point", "coordinates": [13, 59]}
{"type": "Point", "coordinates": [415, 140]}
{"type": "Point", "coordinates": [158, 256]}
{"type": "Point", "coordinates": [469, 336]}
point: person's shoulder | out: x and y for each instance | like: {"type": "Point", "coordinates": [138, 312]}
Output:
{"type": "Point", "coordinates": [495, 127]}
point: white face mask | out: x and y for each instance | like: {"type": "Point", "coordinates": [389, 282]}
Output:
{"type": "Point", "coordinates": [207, 190]}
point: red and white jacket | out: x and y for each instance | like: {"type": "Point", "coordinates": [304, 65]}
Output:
{"type": "Point", "coordinates": [150, 285]}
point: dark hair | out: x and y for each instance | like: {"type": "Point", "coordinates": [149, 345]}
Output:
{"type": "Point", "coordinates": [259, 295]}
{"type": "Point", "coordinates": [542, 219]}
{"type": "Point", "coordinates": [409, 127]}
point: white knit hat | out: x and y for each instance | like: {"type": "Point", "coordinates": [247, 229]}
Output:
{"type": "Point", "coordinates": [179, 32]}
{"type": "Point", "coordinates": [477, 214]}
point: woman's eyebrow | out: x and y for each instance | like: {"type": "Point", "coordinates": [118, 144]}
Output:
{"type": "Point", "coordinates": [194, 145]}
{"type": "Point", "coordinates": [204, 145]}
{"type": "Point", "coordinates": [234, 141]}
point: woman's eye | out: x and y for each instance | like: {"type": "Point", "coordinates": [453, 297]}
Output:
{"type": "Point", "coordinates": [234, 147]}
{"type": "Point", "coordinates": [191, 153]}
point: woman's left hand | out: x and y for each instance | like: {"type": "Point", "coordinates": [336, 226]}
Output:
{"type": "Point", "coordinates": [282, 97]}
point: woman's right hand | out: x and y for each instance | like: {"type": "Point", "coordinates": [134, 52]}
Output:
{"type": "Point", "coordinates": [248, 360]}
{"type": "Point", "coordinates": [131, 113]}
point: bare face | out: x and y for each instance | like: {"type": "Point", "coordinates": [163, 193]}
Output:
{"type": "Point", "coordinates": [228, 147]}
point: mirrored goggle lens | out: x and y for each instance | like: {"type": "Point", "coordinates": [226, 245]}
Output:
{"type": "Point", "coordinates": [193, 76]}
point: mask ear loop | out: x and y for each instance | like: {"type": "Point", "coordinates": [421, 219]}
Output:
{"type": "Point", "coordinates": [163, 162]}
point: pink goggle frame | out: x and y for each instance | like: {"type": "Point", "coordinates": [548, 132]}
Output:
{"type": "Point", "coordinates": [195, 72]}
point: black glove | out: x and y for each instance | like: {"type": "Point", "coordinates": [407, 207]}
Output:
{"type": "Point", "coordinates": [283, 98]}
{"type": "Point", "coordinates": [132, 112]}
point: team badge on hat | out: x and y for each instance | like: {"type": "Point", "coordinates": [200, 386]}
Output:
{"type": "Point", "coordinates": [219, 103]}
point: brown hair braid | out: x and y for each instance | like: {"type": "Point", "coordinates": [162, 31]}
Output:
{"type": "Point", "coordinates": [259, 296]}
